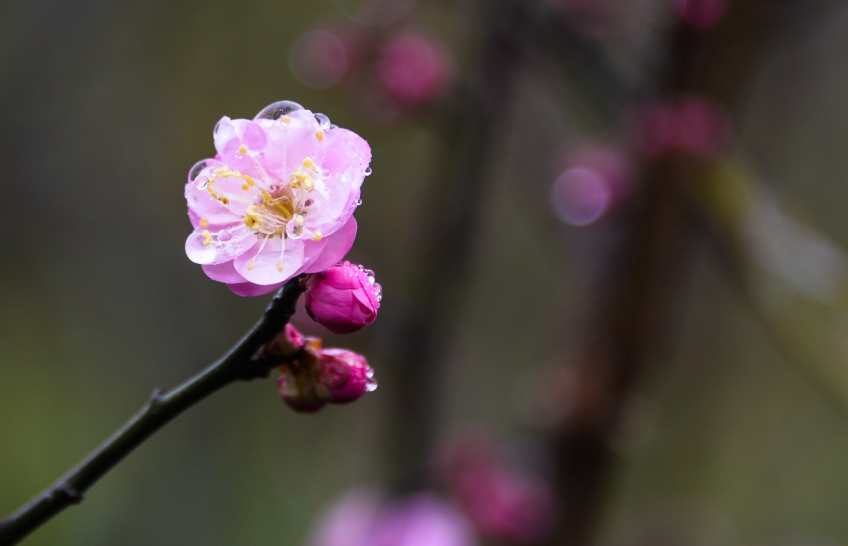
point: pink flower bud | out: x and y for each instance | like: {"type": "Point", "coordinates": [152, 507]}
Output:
{"type": "Point", "coordinates": [343, 376]}
{"type": "Point", "coordinates": [344, 298]}
{"type": "Point", "coordinates": [414, 69]}
{"type": "Point", "coordinates": [691, 124]}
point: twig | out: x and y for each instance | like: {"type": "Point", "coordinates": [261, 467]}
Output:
{"type": "Point", "coordinates": [162, 407]}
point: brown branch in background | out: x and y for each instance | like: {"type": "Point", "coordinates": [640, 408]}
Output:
{"type": "Point", "coordinates": [454, 215]}
{"type": "Point", "coordinates": [636, 303]}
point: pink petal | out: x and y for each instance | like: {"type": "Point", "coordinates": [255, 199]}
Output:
{"type": "Point", "coordinates": [248, 289]}
{"type": "Point", "coordinates": [225, 272]}
{"type": "Point", "coordinates": [337, 246]}
{"type": "Point", "coordinates": [265, 270]}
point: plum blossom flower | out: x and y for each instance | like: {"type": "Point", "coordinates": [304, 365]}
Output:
{"type": "Point", "coordinates": [343, 298]}
{"type": "Point", "coordinates": [277, 200]}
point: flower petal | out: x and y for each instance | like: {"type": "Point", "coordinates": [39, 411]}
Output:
{"type": "Point", "coordinates": [248, 289]}
{"type": "Point", "coordinates": [264, 269]}
{"type": "Point", "coordinates": [225, 272]}
{"type": "Point", "coordinates": [337, 246]}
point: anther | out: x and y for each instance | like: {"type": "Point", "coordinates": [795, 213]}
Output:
{"type": "Point", "coordinates": [204, 223]}
{"type": "Point", "coordinates": [319, 135]}
{"type": "Point", "coordinates": [242, 149]}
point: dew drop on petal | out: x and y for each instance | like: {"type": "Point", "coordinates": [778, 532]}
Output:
{"type": "Point", "coordinates": [225, 236]}
{"type": "Point", "coordinates": [195, 171]}
{"type": "Point", "coordinates": [368, 171]}
{"type": "Point", "coordinates": [333, 126]}
{"type": "Point", "coordinates": [273, 188]}
{"type": "Point", "coordinates": [323, 121]}
{"type": "Point", "coordinates": [358, 202]}
{"type": "Point", "coordinates": [371, 386]}
{"type": "Point", "coordinates": [278, 110]}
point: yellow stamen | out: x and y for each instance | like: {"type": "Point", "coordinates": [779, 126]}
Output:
{"type": "Point", "coordinates": [319, 135]}
{"type": "Point", "coordinates": [245, 187]}
{"type": "Point", "coordinates": [280, 267]}
{"type": "Point", "coordinates": [224, 200]}
{"type": "Point", "coordinates": [251, 265]}
{"type": "Point", "coordinates": [242, 149]}
{"type": "Point", "coordinates": [317, 236]}
{"type": "Point", "coordinates": [204, 223]}
{"type": "Point", "coordinates": [285, 120]}
{"type": "Point", "coordinates": [308, 163]}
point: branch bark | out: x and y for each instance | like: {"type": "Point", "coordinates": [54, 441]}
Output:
{"type": "Point", "coordinates": [236, 365]}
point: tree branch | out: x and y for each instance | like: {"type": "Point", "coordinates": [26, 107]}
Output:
{"type": "Point", "coordinates": [162, 407]}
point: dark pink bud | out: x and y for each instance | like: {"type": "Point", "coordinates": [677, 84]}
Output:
{"type": "Point", "coordinates": [297, 389]}
{"type": "Point", "coordinates": [343, 376]}
{"type": "Point", "coordinates": [414, 69]}
{"type": "Point", "coordinates": [344, 298]}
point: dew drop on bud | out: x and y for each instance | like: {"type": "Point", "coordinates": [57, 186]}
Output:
{"type": "Point", "coordinates": [278, 110]}
{"type": "Point", "coordinates": [323, 121]}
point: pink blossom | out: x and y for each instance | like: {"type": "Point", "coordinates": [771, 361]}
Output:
{"type": "Point", "coordinates": [414, 69]}
{"type": "Point", "coordinates": [343, 298]}
{"type": "Point", "coordinates": [278, 199]}
{"type": "Point", "coordinates": [343, 376]}
{"type": "Point", "coordinates": [365, 517]}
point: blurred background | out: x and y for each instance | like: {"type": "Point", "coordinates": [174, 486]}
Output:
{"type": "Point", "coordinates": [609, 233]}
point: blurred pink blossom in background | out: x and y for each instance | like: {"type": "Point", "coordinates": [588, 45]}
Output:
{"type": "Point", "coordinates": [414, 68]}
{"type": "Point", "coordinates": [502, 502]}
{"type": "Point", "coordinates": [325, 55]}
{"type": "Point", "coordinates": [365, 517]}
{"type": "Point", "coordinates": [701, 14]}
{"type": "Point", "coordinates": [691, 124]}
{"type": "Point", "coordinates": [594, 181]}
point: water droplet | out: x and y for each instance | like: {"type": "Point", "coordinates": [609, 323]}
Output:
{"type": "Point", "coordinates": [258, 199]}
{"type": "Point", "coordinates": [358, 202]}
{"type": "Point", "coordinates": [202, 182]}
{"type": "Point", "coordinates": [333, 126]}
{"type": "Point", "coordinates": [239, 156]}
{"type": "Point", "coordinates": [368, 171]}
{"type": "Point", "coordinates": [195, 171]}
{"type": "Point", "coordinates": [323, 121]}
{"type": "Point", "coordinates": [225, 236]}
{"type": "Point", "coordinates": [273, 188]}
{"type": "Point", "coordinates": [278, 110]}
{"type": "Point", "coordinates": [378, 291]}
{"type": "Point", "coordinates": [372, 384]}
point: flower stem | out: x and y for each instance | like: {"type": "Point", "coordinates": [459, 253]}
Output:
{"type": "Point", "coordinates": [162, 407]}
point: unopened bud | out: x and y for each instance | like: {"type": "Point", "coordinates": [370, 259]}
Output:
{"type": "Point", "coordinates": [343, 376]}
